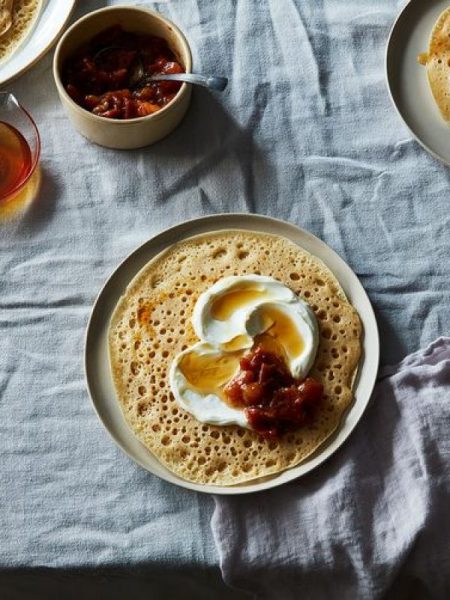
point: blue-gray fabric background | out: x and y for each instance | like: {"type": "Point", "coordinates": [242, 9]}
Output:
{"type": "Point", "coordinates": [306, 133]}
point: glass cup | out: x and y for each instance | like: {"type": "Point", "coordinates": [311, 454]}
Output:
{"type": "Point", "coordinates": [20, 148]}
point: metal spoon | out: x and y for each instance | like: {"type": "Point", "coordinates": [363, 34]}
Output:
{"type": "Point", "coordinates": [139, 78]}
{"type": "Point", "coordinates": [209, 81]}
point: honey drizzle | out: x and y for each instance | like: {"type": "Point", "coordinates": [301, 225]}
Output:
{"type": "Point", "coordinates": [226, 304]}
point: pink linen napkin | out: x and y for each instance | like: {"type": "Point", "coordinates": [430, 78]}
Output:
{"type": "Point", "coordinates": [373, 522]}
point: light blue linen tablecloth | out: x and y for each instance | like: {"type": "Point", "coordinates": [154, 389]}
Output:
{"type": "Point", "coordinates": [306, 133]}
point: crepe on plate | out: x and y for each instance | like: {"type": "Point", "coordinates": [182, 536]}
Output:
{"type": "Point", "coordinates": [16, 20]}
{"type": "Point", "coordinates": [5, 15]}
{"type": "Point", "coordinates": [437, 62]}
{"type": "Point", "coordinates": [151, 325]}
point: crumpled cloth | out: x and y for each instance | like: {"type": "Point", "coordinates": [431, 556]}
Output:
{"type": "Point", "coordinates": [373, 522]}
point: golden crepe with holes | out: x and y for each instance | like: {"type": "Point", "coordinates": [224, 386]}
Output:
{"type": "Point", "coordinates": [5, 16]}
{"type": "Point", "coordinates": [152, 325]}
{"type": "Point", "coordinates": [17, 17]}
{"type": "Point", "coordinates": [437, 62]}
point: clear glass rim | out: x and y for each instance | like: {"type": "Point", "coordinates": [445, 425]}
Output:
{"type": "Point", "coordinates": [37, 152]}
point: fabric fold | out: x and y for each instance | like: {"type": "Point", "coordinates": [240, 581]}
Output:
{"type": "Point", "coordinates": [372, 522]}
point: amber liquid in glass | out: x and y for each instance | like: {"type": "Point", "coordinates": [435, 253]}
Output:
{"type": "Point", "coordinates": [15, 159]}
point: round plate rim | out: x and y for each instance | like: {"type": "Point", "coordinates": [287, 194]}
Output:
{"type": "Point", "coordinates": [218, 222]}
{"type": "Point", "coordinates": [44, 51]}
{"type": "Point", "coordinates": [390, 44]}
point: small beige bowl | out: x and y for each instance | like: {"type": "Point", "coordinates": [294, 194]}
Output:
{"type": "Point", "coordinates": [129, 133]}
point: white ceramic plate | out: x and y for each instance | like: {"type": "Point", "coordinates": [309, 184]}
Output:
{"type": "Point", "coordinates": [407, 80]}
{"type": "Point", "coordinates": [98, 373]}
{"type": "Point", "coordinates": [49, 26]}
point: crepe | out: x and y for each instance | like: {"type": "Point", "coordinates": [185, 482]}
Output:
{"type": "Point", "coordinates": [438, 63]}
{"type": "Point", "coordinates": [5, 16]}
{"type": "Point", "coordinates": [152, 324]}
{"type": "Point", "coordinates": [15, 24]}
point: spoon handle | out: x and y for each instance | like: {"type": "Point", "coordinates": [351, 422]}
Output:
{"type": "Point", "coordinates": [209, 81]}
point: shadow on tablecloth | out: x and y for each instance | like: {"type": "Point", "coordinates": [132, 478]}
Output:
{"type": "Point", "coordinates": [116, 584]}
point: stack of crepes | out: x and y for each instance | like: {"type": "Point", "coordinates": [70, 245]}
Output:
{"type": "Point", "coordinates": [437, 61]}
{"type": "Point", "coordinates": [16, 20]}
{"type": "Point", "coordinates": [152, 324]}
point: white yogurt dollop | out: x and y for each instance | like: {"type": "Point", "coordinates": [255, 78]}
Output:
{"type": "Point", "coordinates": [228, 318]}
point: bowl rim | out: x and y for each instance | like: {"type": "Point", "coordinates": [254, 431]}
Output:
{"type": "Point", "coordinates": [122, 122]}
